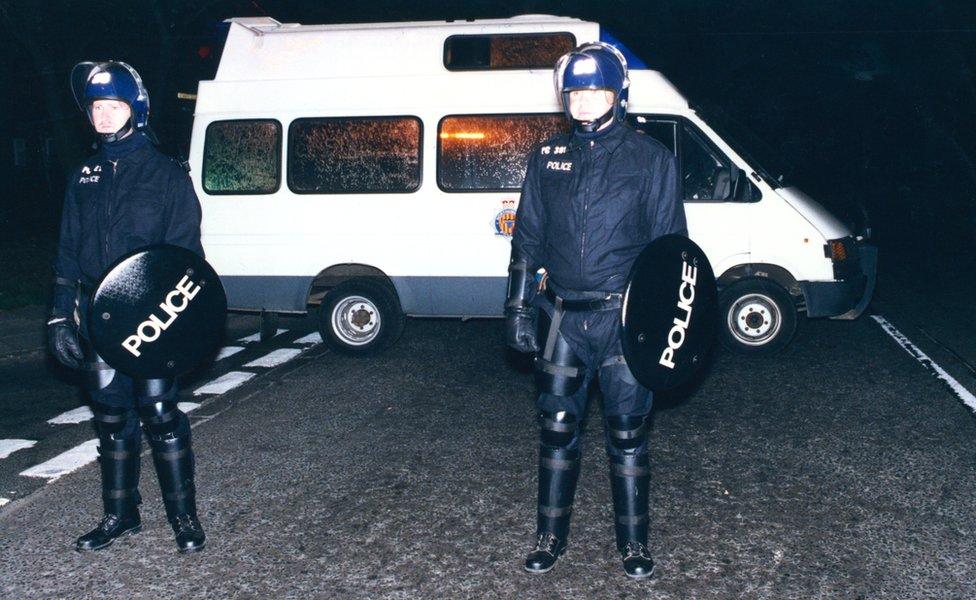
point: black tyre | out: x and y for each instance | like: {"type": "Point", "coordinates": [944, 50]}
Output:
{"type": "Point", "coordinates": [361, 317]}
{"type": "Point", "coordinates": [758, 317]}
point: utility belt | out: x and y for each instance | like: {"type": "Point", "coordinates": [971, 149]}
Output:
{"type": "Point", "coordinates": [591, 301]}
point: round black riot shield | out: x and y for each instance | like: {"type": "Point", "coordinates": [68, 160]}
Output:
{"type": "Point", "coordinates": [669, 317]}
{"type": "Point", "coordinates": [157, 312]}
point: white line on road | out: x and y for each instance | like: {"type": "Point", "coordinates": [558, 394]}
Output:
{"type": "Point", "coordinates": [65, 463]}
{"type": "Point", "coordinates": [188, 406]}
{"type": "Point", "coordinates": [275, 358]}
{"type": "Point", "coordinates": [312, 338]}
{"type": "Point", "coordinates": [224, 383]}
{"type": "Point", "coordinates": [957, 388]}
{"type": "Point", "coordinates": [84, 413]}
{"type": "Point", "coordinates": [77, 457]}
{"type": "Point", "coordinates": [8, 447]}
{"type": "Point", "coordinates": [256, 337]}
{"type": "Point", "coordinates": [77, 415]}
{"type": "Point", "coordinates": [228, 351]}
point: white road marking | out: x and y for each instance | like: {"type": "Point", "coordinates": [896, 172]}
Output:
{"type": "Point", "coordinates": [77, 415]}
{"type": "Point", "coordinates": [8, 447]}
{"type": "Point", "coordinates": [225, 382]}
{"type": "Point", "coordinates": [75, 458]}
{"type": "Point", "coordinates": [256, 337]}
{"type": "Point", "coordinates": [312, 338]}
{"type": "Point", "coordinates": [188, 406]}
{"type": "Point", "coordinates": [228, 351]}
{"type": "Point", "coordinates": [4, 501]}
{"type": "Point", "coordinates": [275, 358]}
{"type": "Point", "coordinates": [957, 388]}
{"type": "Point", "coordinates": [65, 463]}
{"type": "Point", "coordinates": [84, 413]}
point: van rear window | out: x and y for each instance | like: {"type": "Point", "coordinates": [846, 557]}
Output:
{"type": "Point", "coordinates": [242, 157]}
{"type": "Point", "coordinates": [490, 52]}
{"type": "Point", "coordinates": [354, 155]}
{"type": "Point", "coordinates": [489, 152]}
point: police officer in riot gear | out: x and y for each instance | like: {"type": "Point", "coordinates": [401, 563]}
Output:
{"type": "Point", "coordinates": [125, 196]}
{"type": "Point", "coordinates": [591, 201]}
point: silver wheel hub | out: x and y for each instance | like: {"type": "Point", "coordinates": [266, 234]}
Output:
{"type": "Point", "coordinates": [356, 320]}
{"type": "Point", "coordinates": [754, 319]}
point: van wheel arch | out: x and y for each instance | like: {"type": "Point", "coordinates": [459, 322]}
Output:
{"type": "Point", "coordinates": [771, 272]}
{"type": "Point", "coordinates": [331, 277]}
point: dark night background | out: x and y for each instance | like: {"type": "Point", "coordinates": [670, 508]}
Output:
{"type": "Point", "coordinates": [872, 102]}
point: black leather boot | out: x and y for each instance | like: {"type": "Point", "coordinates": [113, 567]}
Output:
{"type": "Point", "coordinates": [630, 479]}
{"type": "Point", "coordinates": [559, 469]}
{"type": "Point", "coordinates": [169, 436]}
{"type": "Point", "coordinates": [119, 462]}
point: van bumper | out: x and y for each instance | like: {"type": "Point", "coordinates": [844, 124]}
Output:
{"type": "Point", "coordinates": [845, 298]}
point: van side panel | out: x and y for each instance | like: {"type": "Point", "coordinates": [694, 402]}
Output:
{"type": "Point", "coordinates": [280, 293]}
{"type": "Point", "coordinates": [452, 296]}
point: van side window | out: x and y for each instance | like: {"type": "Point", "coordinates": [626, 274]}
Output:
{"type": "Point", "coordinates": [242, 157]}
{"type": "Point", "coordinates": [354, 155]}
{"type": "Point", "coordinates": [488, 152]}
{"type": "Point", "coordinates": [519, 51]}
{"type": "Point", "coordinates": [706, 173]}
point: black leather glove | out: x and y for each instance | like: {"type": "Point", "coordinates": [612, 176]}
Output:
{"type": "Point", "coordinates": [520, 330]}
{"type": "Point", "coordinates": [519, 313]}
{"type": "Point", "coordinates": [62, 337]}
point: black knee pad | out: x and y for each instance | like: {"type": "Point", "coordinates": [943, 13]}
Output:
{"type": "Point", "coordinates": [627, 434]}
{"type": "Point", "coordinates": [114, 422]}
{"type": "Point", "coordinates": [558, 430]}
{"type": "Point", "coordinates": [164, 419]}
{"type": "Point", "coordinates": [558, 371]}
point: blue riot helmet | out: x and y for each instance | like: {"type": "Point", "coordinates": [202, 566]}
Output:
{"type": "Point", "coordinates": [593, 66]}
{"type": "Point", "coordinates": [111, 80]}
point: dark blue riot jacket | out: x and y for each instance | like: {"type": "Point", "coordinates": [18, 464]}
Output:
{"type": "Point", "coordinates": [590, 204]}
{"type": "Point", "coordinates": [125, 196]}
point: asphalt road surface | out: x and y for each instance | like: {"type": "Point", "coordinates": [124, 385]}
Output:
{"type": "Point", "coordinates": [840, 469]}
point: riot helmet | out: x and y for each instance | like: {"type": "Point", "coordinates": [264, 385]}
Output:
{"type": "Point", "coordinates": [593, 66]}
{"type": "Point", "coordinates": [111, 80]}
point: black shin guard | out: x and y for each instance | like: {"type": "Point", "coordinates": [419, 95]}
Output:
{"type": "Point", "coordinates": [630, 482]}
{"type": "Point", "coordinates": [119, 446]}
{"type": "Point", "coordinates": [559, 467]}
{"type": "Point", "coordinates": [629, 478]}
{"type": "Point", "coordinates": [168, 430]}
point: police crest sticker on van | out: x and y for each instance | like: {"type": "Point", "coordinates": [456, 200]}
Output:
{"type": "Point", "coordinates": [505, 219]}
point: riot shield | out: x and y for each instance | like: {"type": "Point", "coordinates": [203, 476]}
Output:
{"type": "Point", "coordinates": [669, 315]}
{"type": "Point", "coordinates": [157, 312]}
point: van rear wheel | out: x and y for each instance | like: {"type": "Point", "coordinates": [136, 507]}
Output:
{"type": "Point", "coordinates": [758, 317]}
{"type": "Point", "coordinates": [361, 317]}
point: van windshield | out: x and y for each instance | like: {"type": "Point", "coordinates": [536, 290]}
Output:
{"type": "Point", "coordinates": [762, 157]}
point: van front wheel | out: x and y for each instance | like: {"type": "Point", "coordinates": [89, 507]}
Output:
{"type": "Point", "coordinates": [361, 317]}
{"type": "Point", "coordinates": [758, 316]}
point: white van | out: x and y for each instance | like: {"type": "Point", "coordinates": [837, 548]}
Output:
{"type": "Point", "coordinates": [374, 171]}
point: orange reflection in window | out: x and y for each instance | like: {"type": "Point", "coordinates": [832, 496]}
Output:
{"type": "Point", "coordinates": [463, 135]}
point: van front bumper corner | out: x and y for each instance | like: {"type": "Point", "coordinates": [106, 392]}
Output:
{"type": "Point", "coordinates": [846, 299]}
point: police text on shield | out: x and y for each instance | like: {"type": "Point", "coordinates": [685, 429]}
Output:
{"type": "Point", "coordinates": [686, 296]}
{"type": "Point", "coordinates": [149, 330]}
